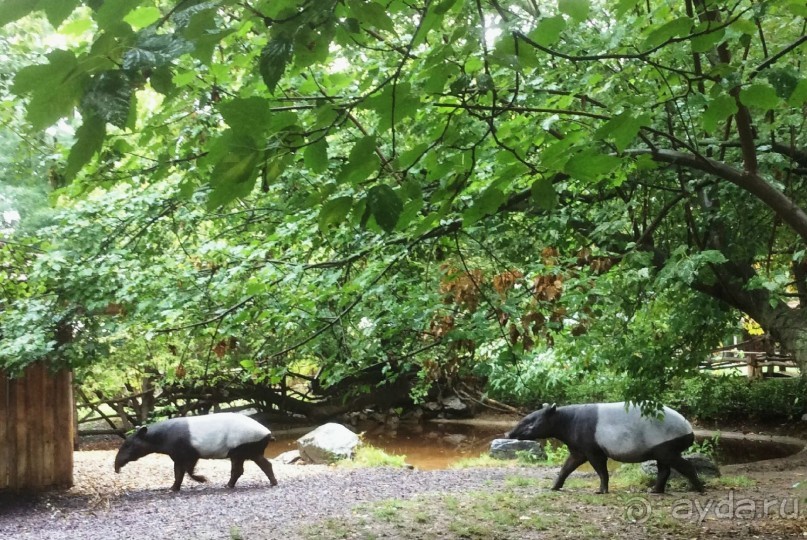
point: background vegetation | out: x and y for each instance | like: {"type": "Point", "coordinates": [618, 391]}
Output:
{"type": "Point", "coordinates": [333, 203]}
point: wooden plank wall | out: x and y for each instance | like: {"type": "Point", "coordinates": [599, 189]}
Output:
{"type": "Point", "coordinates": [36, 430]}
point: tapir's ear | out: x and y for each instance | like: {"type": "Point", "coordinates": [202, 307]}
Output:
{"type": "Point", "coordinates": [545, 405]}
{"type": "Point", "coordinates": [553, 407]}
{"type": "Point", "coordinates": [141, 432]}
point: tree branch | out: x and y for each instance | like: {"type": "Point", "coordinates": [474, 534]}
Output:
{"type": "Point", "coordinates": [781, 204]}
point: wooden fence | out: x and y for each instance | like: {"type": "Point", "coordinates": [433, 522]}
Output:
{"type": "Point", "coordinates": [754, 356]}
{"type": "Point", "coordinates": [36, 430]}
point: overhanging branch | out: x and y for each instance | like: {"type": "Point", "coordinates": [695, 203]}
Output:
{"type": "Point", "coordinates": [781, 204]}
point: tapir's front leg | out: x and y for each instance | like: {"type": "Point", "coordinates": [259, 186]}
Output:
{"type": "Point", "coordinates": [179, 474]}
{"type": "Point", "coordinates": [572, 462]}
{"type": "Point", "coordinates": [599, 461]}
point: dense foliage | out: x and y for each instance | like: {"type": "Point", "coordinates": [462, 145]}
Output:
{"type": "Point", "coordinates": [319, 189]}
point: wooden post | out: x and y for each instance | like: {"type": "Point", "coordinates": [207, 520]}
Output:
{"type": "Point", "coordinates": [36, 430]}
{"type": "Point", "coordinates": [5, 455]}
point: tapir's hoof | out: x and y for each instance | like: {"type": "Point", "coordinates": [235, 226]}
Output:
{"type": "Point", "coordinates": [273, 483]}
{"type": "Point", "coordinates": [199, 478]}
{"type": "Point", "coordinates": [655, 491]}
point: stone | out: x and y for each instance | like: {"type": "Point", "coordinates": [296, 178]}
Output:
{"type": "Point", "coordinates": [804, 417]}
{"type": "Point", "coordinates": [455, 438]}
{"type": "Point", "coordinates": [287, 458]}
{"type": "Point", "coordinates": [327, 443]}
{"type": "Point", "coordinates": [508, 448]}
{"type": "Point", "coordinates": [704, 465]}
{"type": "Point", "coordinates": [454, 407]}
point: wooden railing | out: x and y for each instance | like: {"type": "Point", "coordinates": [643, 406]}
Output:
{"type": "Point", "coordinates": [757, 356]}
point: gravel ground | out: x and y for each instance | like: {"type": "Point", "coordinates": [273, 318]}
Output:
{"type": "Point", "coordinates": [137, 503]}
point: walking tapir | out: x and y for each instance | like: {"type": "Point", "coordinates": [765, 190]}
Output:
{"type": "Point", "coordinates": [597, 431]}
{"type": "Point", "coordinates": [188, 439]}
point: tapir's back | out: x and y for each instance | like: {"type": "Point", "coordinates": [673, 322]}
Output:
{"type": "Point", "coordinates": [214, 435]}
{"type": "Point", "coordinates": [628, 436]}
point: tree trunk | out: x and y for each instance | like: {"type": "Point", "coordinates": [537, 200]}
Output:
{"type": "Point", "coordinates": [788, 326]}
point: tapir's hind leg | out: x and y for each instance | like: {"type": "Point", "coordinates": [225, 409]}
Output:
{"type": "Point", "coordinates": [266, 467]}
{"type": "Point", "coordinates": [197, 477]}
{"type": "Point", "coordinates": [572, 462]}
{"type": "Point", "coordinates": [687, 469]}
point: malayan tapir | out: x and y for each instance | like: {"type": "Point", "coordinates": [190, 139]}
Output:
{"type": "Point", "coordinates": [597, 431]}
{"type": "Point", "coordinates": [188, 439]}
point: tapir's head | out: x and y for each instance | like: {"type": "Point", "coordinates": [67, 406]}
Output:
{"type": "Point", "coordinates": [133, 448]}
{"type": "Point", "coordinates": [536, 425]}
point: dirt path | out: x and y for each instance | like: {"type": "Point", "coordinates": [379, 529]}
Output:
{"type": "Point", "coordinates": [136, 503]}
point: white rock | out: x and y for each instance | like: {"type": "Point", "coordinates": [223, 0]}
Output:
{"type": "Point", "coordinates": [327, 443]}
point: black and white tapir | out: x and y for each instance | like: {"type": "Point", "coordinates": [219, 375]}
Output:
{"type": "Point", "coordinates": [213, 436]}
{"type": "Point", "coordinates": [598, 431]}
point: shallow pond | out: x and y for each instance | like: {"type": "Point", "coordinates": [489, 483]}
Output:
{"type": "Point", "coordinates": [433, 445]}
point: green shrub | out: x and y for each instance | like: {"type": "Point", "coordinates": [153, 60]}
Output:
{"type": "Point", "coordinates": [735, 398]}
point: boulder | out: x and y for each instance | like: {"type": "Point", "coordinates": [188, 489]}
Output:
{"type": "Point", "coordinates": [327, 443]}
{"type": "Point", "coordinates": [704, 465]}
{"type": "Point", "coordinates": [507, 448]}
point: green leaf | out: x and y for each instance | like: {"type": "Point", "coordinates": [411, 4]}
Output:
{"type": "Point", "coordinates": [161, 80]}
{"type": "Point", "coordinates": [487, 203]}
{"type": "Point", "coordinates": [334, 212]}
{"type": "Point", "coordinates": [622, 129]}
{"type": "Point", "coordinates": [783, 80]}
{"type": "Point", "coordinates": [112, 12]}
{"type": "Point", "coordinates": [718, 110]}
{"type": "Point", "coordinates": [109, 97]}
{"type": "Point", "coordinates": [398, 96]}
{"type": "Point", "coordinates": [55, 88]}
{"type": "Point", "coordinates": [385, 206]}
{"type": "Point", "coordinates": [548, 30]}
{"type": "Point", "coordinates": [315, 156]}
{"type": "Point", "coordinates": [154, 50]}
{"type": "Point", "coordinates": [273, 60]}
{"type": "Point", "coordinates": [799, 95]}
{"type": "Point", "coordinates": [543, 194]}
{"type": "Point", "coordinates": [249, 115]}
{"type": "Point", "coordinates": [576, 9]}
{"type": "Point", "coordinates": [371, 14]}
{"type": "Point", "coordinates": [57, 10]}
{"type": "Point", "coordinates": [362, 161]}
{"type": "Point", "coordinates": [143, 16]}
{"type": "Point", "coordinates": [760, 96]}
{"type": "Point", "coordinates": [590, 165]}
{"type": "Point", "coordinates": [89, 141]}
{"type": "Point", "coordinates": [674, 28]}
{"type": "Point", "coordinates": [235, 170]}
{"type": "Point", "coordinates": [706, 42]}
{"type": "Point", "coordinates": [11, 10]}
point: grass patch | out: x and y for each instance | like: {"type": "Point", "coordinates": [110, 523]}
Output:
{"type": "Point", "coordinates": [520, 508]}
{"type": "Point", "coordinates": [370, 456]}
{"type": "Point", "coordinates": [482, 460]}
{"type": "Point", "coordinates": [738, 481]}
